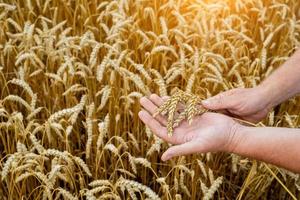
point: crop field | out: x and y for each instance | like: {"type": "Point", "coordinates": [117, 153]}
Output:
{"type": "Point", "coordinates": [72, 73]}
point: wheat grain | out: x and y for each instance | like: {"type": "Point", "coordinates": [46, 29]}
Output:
{"type": "Point", "coordinates": [81, 105]}
{"type": "Point", "coordinates": [211, 176]}
{"type": "Point", "coordinates": [112, 148]}
{"type": "Point", "coordinates": [164, 48]}
{"type": "Point", "coordinates": [66, 194]}
{"type": "Point", "coordinates": [183, 186]}
{"type": "Point", "coordinates": [23, 176]}
{"type": "Point", "coordinates": [160, 82]}
{"type": "Point", "coordinates": [204, 188]}
{"type": "Point", "coordinates": [146, 39]}
{"type": "Point", "coordinates": [82, 164]}
{"type": "Point", "coordinates": [268, 40]}
{"type": "Point", "coordinates": [289, 120]}
{"type": "Point", "coordinates": [89, 125]}
{"type": "Point", "coordinates": [102, 66]}
{"type": "Point", "coordinates": [156, 146]}
{"type": "Point", "coordinates": [216, 71]}
{"type": "Point", "coordinates": [53, 173]}
{"type": "Point", "coordinates": [190, 83]}
{"type": "Point", "coordinates": [105, 97]}
{"type": "Point", "coordinates": [44, 179]}
{"type": "Point", "coordinates": [36, 144]}
{"type": "Point", "coordinates": [8, 164]}
{"type": "Point", "coordinates": [172, 110]}
{"type": "Point", "coordinates": [65, 112]}
{"type": "Point", "coordinates": [21, 148]}
{"type": "Point", "coordinates": [100, 183]}
{"type": "Point", "coordinates": [103, 130]}
{"type": "Point", "coordinates": [23, 168]}
{"type": "Point", "coordinates": [93, 56]}
{"type": "Point", "coordinates": [143, 161]}
{"type": "Point", "coordinates": [15, 24]}
{"type": "Point", "coordinates": [18, 100]}
{"type": "Point", "coordinates": [59, 154]}
{"type": "Point", "coordinates": [271, 118]}
{"type": "Point", "coordinates": [180, 118]}
{"type": "Point", "coordinates": [137, 80]}
{"type": "Point", "coordinates": [8, 7]}
{"type": "Point", "coordinates": [110, 196]}
{"type": "Point", "coordinates": [263, 58]}
{"type": "Point", "coordinates": [148, 191]}
{"type": "Point", "coordinates": [174, 75]}
{"type": "Point", "coordinates": [121, 141]}
{"type": "Point", "coordinates": [213, 188]}
{"type": "Point", "coordinates": [191, 108]}
{"type": "Point", "coordinates": [98, 189]}
{"type": "Point", "coordinates": [132, 164]}
{"type": "Point", "coordinates": [140, 68]}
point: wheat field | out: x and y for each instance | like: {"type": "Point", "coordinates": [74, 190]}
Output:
{"type": "Point", "coordinates": [72, 73]}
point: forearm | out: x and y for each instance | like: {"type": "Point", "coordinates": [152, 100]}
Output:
{"type": "Point", "coordinates": [278, 146]}
{"type": "Point", "coordinates": [283, 83]}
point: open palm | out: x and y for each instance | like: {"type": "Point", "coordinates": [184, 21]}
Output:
{"type": "Point", "coordinates": [208, 132]}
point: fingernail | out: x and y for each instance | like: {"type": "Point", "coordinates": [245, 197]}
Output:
{"type": "Point", "coordinates": [142, 99]}
{"type": "Point", "coordinates": [206, 101]}
{"type": "Point", "coordinates": [165, 157]}
{"type": "Point", "coordinates": [141, 113]}
{"type": "Point", "coordinates": [152, 96]}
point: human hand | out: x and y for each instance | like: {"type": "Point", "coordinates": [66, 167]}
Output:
{"type": "Point", "coordinates": [209, 132]}
{"type": "Point", "coordinates": [251, 104]}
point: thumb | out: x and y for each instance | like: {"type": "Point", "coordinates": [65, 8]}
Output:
{"type": "Point", "coordinates": [218, 102]}
{"type": "Point", "coordinates": [183, 149]}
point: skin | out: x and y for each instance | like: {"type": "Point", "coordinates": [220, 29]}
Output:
{"type": "Point", "coordinates": [213, 132]}
{"type": "Point", "coordinates": [253, 104]}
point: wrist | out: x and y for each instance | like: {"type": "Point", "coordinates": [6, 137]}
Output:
{"type": "Point", "coordinates": [269, 95]}
{"type": "Point", "coordinates": [236, 136]}
{"type": "Point", "coordinates": [277, 91]}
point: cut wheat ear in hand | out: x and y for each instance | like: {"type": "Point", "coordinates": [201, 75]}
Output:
{"type": "Point", "coordinates": [191, 107]}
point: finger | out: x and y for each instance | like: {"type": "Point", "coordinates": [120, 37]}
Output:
{"type": "Point", "coordinates": [182, 149]}
{"type": "Point", "coordinates": [229, 113]}
{"type": "Point", "coordinates": [151, 108]}
{"type": "Point", "coordinates": [224, 112]}
{"type": "Point", "coordinates": [155, 126]}
{"type": "Point", "coordinates": [253, 118]}
{"type": "Point", "coordinates": [158, 100]}
{"type": "Point", "coordinates": [220, 101]}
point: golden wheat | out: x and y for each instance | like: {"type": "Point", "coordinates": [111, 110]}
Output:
{"type": "Point", "coordinates": [72, 73]}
